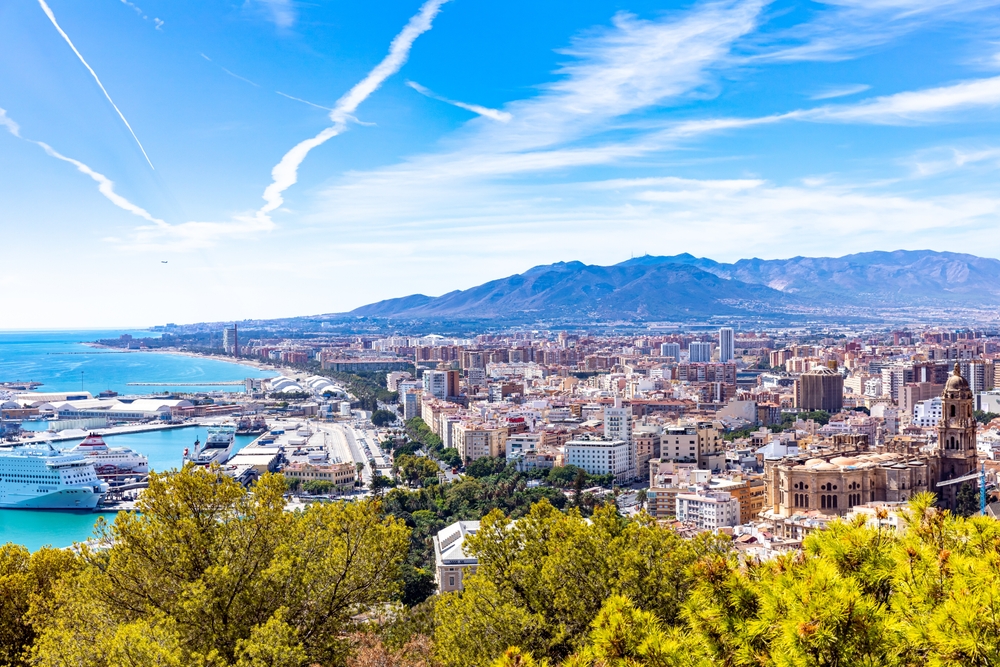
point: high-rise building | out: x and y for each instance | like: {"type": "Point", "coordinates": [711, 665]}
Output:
{"type": "Point", "coordinates": [230, 341]}
{"type": "Point", "coordinates": [699, 352]}
{"type": "Point", "coordinates": [727, 344]}
{"type": "Point", "coordinates": [618, 426]}
{"type": "Point", "coordinates": [435, 383]}
{"type": "Point", "coordinates": [820, 389]}
{"type": "Point", "coordinates": [670, 350]}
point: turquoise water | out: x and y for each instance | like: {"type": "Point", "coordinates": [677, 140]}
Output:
{"type": "Point", "coordinates": [164, 448]}
{"type": "Point", "coordinates": [60, 361]}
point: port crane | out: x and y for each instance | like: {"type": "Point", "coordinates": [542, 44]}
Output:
{"type": "Point", "coordinates": [981, 476]}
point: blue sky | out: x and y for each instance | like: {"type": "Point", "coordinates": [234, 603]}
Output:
{"type": "Point", "coordinates": [186, 161]}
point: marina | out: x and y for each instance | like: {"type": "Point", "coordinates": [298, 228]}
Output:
{"type": "Point", "coordinates": [60, 361]}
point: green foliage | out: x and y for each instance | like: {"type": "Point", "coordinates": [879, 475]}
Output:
{"type": "Point", "coordinates": [369, 388]}
{"type": "Point", "coordinates": [27, 582]}
{"type": "Point", "coordinates": [208, 573]}
{"type": "Point", "coordinates": [486, 466]}
{"type": "Point", "coordinates": [618, 593]}
{"type": "Point", "coordinates": [967, 499]}
{"type": "Point", "coordinates": [418, 431]}
{"type": "Point", "coordinates": [382, 418]}
{"type": "Point", "coordinates": [985, 417]}
{"type": "Point", "coordinates": [317, 487]}
{"type": "Point", "coordinates": [570, 476]}
{"type": "Point", "coordinates": [415, 469]}
{"type": "Point", "coordinates": [450, 457]}
{"type": "Point", "coordinates": [542, 580]}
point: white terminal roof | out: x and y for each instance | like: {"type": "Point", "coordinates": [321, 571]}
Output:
{"type": "Point", "coordinates": [449, 544]}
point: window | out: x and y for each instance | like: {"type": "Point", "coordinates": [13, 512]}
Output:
{"type": "Point", "coordinates": [451, 581]}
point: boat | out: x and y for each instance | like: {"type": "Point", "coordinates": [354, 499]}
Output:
{"type": "Point", "coordinates": [218, 447]}
{"type": "Point", "coordinates": [113, 464]}
{"type": "Point", "coordinates": [256, 426]}
{"type": "Point", "coordinates": [39, 476]}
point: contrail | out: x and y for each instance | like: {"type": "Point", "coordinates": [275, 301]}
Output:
{"type": "Point", "coordinates": [285, 173]}
{"type": "Point", "coordinates": [52, 17]}
{"type": "Point", "coordinates": [104, 184]}
{"type": "Point", "coordinates": [495, 114]}
{"type": "Point", "coordinates": [299, 99]}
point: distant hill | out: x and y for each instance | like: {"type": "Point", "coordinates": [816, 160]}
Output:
{"type": "Point", "coordinates": [684, 286]}
{"type": "Point", "coordinates": [876, 279]}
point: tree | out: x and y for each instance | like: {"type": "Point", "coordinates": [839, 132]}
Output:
{"type": "Point", "coordinates": [967, 500]}
{"type": "Point", "coordinates": [379, 483]}
{"type": "Point", "coordinates": [486, 466]}
{"type": "Point", "coordinates": [641, 497]}
{"type": "Point", "coordinates": [542, 580]}
{"type": "Point", "coordinates": [985, 417]}
{"type": "Point", "coordinates": [382, 418]}
{"type": "Point", "coordinates": [27, 581]}
{"type": "Point", "coordinates": [415, 469]}
{"type": "Point", "coordinates": [206, 572]}
{"type": "Point", "coordinates": [315, 487]}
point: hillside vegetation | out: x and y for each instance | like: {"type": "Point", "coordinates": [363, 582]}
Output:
{"type": "Point", "coordinates": [210, 574]}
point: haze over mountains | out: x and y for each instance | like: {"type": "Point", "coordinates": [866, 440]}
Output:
{"type": "Point", "coordinates": [683, 286]}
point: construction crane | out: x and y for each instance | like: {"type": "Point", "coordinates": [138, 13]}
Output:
{"type": "Point", "coordinates": [981, 476]}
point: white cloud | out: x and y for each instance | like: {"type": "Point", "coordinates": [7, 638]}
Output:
{"type": "Point", "coordinates": [495, 114]}
{"type": "Point", "coordinates": [104, 185]}
{"type": "Point", "coordinates": [285, 173]}
{"type": "Point", "coordinates": [52, 18]}
{"type": "Point", "coordinates": [840, 91]}
{"type": "Point", "coordinates": [281, 12]}
{"type": "Point", "coordinates": [845, 28]}
{"type": "Point", "coordinates": [946, 159]}
{"type": "Point", "coordinates": [926, 105]}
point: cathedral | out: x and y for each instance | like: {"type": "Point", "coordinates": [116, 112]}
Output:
{"type": "Point", "coordinates": [852, 472]}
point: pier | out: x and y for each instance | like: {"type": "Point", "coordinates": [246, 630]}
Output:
{"type": "Point", "coordinates": [225, 383]}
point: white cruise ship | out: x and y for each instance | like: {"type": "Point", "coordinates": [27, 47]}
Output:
{"type": "Point", "coordinates": [218, 447]}
{"type": "Point", "coordinates": [39, 476]}
{"type": "Point", "coordinates": [113, 463]}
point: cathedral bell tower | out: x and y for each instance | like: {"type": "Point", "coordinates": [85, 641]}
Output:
{"type": "Point", "coordinates": [956, 438]}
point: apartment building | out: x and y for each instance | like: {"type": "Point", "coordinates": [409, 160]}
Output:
{"type": "Point", "coordinates": [599, 456]}
{"type": "Point", "coordinates": [708, 510]}
{"type": "Point", "coordinates": [476, 440]}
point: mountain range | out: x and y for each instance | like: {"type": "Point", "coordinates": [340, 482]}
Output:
{"type": "Point", "coordinates": [682, 287]}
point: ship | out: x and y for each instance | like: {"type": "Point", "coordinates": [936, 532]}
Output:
{"type": "Point", "coordinates": [246, 426]}
{"type": "Point", "coordinates": [113, 464]}
{"type": "Point", "coordinates": [39, 476]}
{"type": "Point", "coordinates": [218, 446]}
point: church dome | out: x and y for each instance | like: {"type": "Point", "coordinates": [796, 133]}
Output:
{"type": "Point", "coordinates": [957, 386]}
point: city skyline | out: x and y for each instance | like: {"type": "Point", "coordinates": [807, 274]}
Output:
{"type": "Point", "coordinates": [190, 162]}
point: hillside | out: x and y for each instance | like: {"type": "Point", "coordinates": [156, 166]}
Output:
{"type": "Point", "coordinates": [684, 286]}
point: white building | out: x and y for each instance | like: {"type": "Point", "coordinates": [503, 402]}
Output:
{"type": "Point", "coordinates": [670, 350]}
{"type": "Point", "coordinates": [927, 413]}
{"type": "Point", "coordinates": [451, 561]}
{"type": "Point", "coordinates": [708, 510]}
{"type": "Point", "coordinates": [393, 379]}
{"type": "Point", "coordinates": [988, 401]}
{"type": "Point", "coordinates": [599, 456]}
{"type": "Point", "coordinates": [727, 345]}
{"type": "Point", "coordinates": [410, 400]}
{"type": "Point", "coordinates": [520, 443]}
{"type": "Point", "coordinates": [700, 353]}
{"type": "Point", "coordinates": [435, 383]}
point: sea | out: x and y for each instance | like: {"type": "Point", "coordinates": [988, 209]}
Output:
{"type": "Point", "coordinates": [62, 362]}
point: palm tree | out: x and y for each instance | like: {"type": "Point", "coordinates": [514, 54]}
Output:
{"type": "Point", "coordinates": [641, 498]}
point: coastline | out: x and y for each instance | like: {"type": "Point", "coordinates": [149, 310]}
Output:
{"type": "Point", "coordinates": [252, 363]}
